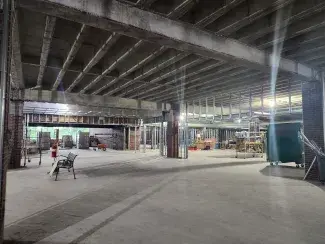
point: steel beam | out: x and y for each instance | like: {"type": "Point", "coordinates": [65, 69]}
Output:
{"type": "Point", "coordinates": [72, 53]}
{"type": "Point", "coordinates": [47, 39]}
{"type": "Point", "coordinates": [16, 64]}
{"type": "Point", "coordinates": [111, 40]}
{"type": "Point", "coordinates": [129, 21]}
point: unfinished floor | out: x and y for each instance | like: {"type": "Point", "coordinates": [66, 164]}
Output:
{"type": "Point", "coordinates": [127, 197]}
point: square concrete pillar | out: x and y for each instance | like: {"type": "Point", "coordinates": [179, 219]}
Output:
{"type": "Point", "coordinates": [172, 132]}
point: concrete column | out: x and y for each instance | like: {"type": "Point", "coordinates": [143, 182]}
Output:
{"type": "Point", "coordinates": [221, 108]}
{"type": "Point", "coordinates": [162, 132]}
{"type": "Point", "coordinates": [250, 103]}
{"type": "Point", "coordinates": [172, 131]}
{"type": "Point", "coordinates": [200, 109]}
{"type": "Point", "coordinates": [206, 109]}
{"type": "Point", "coordinates": [124, 138]}
{"type": "Point", "coordinates": [262, 99]}
{"type": "Point", "coordinates": [313, 121]}
{"type": "Point", "coordinates": [129, 138]}
{"type": "Point", "coordinates": [135, 137]}
{"type": "Point", "coordinates": [144, 138]}
{"type": "Point", "coordinates": [186, 130]}
{"type": "Point", "coordinates": [214, 108]}
{"type": "Point", "coordinates": [230, 107]}
{"type": "Point", "coordinates": [289, 95]}
{"type": "Point", "coordinates": [193, 110]}
{"type": "Point", "coordinates": [239, 106]}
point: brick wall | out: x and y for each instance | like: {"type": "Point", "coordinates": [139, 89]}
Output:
{"type": "Point", "coordinates": [312, 105]}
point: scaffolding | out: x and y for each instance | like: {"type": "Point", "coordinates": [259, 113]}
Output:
{"type": "Point", "coordinates": [250, 142]}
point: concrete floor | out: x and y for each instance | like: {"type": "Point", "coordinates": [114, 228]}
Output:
{"type": "Point", "coordinates": [127, 197]}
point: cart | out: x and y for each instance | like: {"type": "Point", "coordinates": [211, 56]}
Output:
{"type": "Point", "coordinates": [102, 147]}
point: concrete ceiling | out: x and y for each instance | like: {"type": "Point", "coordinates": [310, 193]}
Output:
{"type": "Point", "coordinates": [55, 53]}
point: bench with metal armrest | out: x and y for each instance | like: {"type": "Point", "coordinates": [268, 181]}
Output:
{"type": "Point", "coordinates": [66, 163]}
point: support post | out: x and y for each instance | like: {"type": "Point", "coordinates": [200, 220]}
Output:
{"type": "Point", "coordinates": [4, 112]}
{"type": "Point", "coordinates": [200, 109]}
{"type": "Point", "coordinates": [124, 138]}
{"type": "Point", "coordinates": [230, 107]}
{"type": "Point", "coordinates": [221, 108]}
{"type": "Point", "coordinates": [289, 95]}
{"type": "Point", "coordinates": [262, 99]}
{"type": "Point", "coordinates": [239, 106]}
{"type": "Point", "coordinates": [214, 108]}
{"type": "Point", "coordinates": [162, 138]}
{"type": "Point", "coordinates": [173, 131]}
{"type": "Point", "coordinates": [250, 103]}
{"type": "Point", "coordinates": [193, 110]}
{"type": "Point", "coordinates": [129, 138]}
{"type": "Point", "coordinates": [144, 138]}
{"type": "Point", "coordinates": [186, 130]}
{"type": "Point", "coordinates": [206, 108]}
{"type": "Point", "coordinates": [135, 136]}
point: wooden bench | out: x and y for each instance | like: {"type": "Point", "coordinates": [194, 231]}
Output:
{"type": "Point", "coordinates": [66, 163]}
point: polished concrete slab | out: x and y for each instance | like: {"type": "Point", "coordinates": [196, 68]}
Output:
{"type": "Point", "coordinates": [127, 197]}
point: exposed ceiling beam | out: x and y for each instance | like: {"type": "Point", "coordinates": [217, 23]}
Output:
{"type": "Point", "coordinates": [110, 68]}
{"type": "Point", "coordinates": [16, 64]}
{"type": "Point", "coordinates": [89, 100]}
{"type": "Point", "coordinates": [177, 12]}
{"type": "Point", "coordinates": [133, 68]}
{"type": "Point", "coordinates": [224, 79]}
{"type": "Point", "coordinates": [303, 51]}
{"type": "Point", "coordinates": [103, 50]}
{"type": "Point", "coordinates": [290, 14]}
{"type": "Point", "coordinates": [231, 88]}
{"type": "Point", "coordinates": [144, 3]}
{"type": "Point", "coordinates": [111, 40]}
{"type": "Point", "coordinates": [47, 39]}
{"type": "Point", "coordinates": [170, 72]}
{"type": "Point", "coordinates": [149, 70]}
{"type": "Point", "coordinates": [314, 22]}
{"type": "Point", "coordinates": [202, 23]}
{"type": "Point", "coordinates": [245, 84]}
{"type": "Point", "coordinates": [207, 77]}
{"type": "Point", "coordinates": [71, 55]}
{"type": "Point", "coordinates": [128, 21]}
{"type": "Point", "coordinates": [218, 13]}
{"type": "Point", "coordinates": [262, 8]}
{"type": "Point", "coordinates": [198, 72]}
{"type": "Point", "coordinates": [181, 9]}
